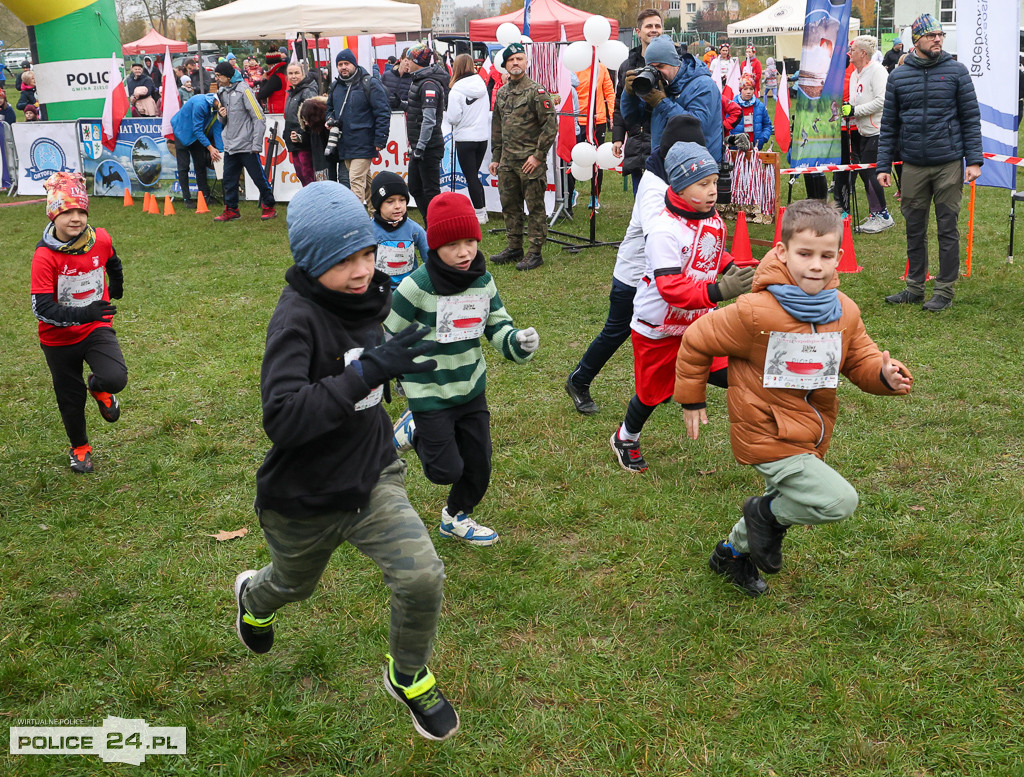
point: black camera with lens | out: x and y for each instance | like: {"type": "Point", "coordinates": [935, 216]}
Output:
{"type": "Point", "coordinates": [647, 78]}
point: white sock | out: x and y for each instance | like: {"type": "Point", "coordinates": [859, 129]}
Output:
{"type": "Point", "coordinates": [627, 436]}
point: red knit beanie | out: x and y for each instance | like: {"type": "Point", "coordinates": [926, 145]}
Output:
{"type": "Point", "coordinates": [451, 217]}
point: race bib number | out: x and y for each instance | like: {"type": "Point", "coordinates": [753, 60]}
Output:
{"type": "Point", "coordinates": [77, 291]}
{"type": "Point", "coordinates": [803, 360]}
{"type": "Point", "coordinates": [461, 318]}
{"type": "Point", "coordinates": [374, 397]}
{"type": "Point", "coordinates": [396, 258]}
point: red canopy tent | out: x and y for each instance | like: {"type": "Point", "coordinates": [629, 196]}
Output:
{"type": "Point", "coordinates": [547, 17]}
{"type": "Point", "coordinates": [154, 43]}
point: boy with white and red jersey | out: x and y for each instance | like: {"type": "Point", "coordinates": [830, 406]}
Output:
{"type": "Point", "coordinates": [684, 254]}
{"type": "Point", "coordinates": [71, 299]}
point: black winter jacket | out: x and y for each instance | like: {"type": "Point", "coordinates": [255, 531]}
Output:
{"type": "Point", "coordinates": [303, 90]}
{"type": "Point", "coordinates": [327, 454]}
{"type": "Point", "coordinates": [637, 136]}
{"type": "Point", "coordinates": [931, 115]}
{"type": "Point", "coordinates": [427, 95]}
{"type": "Point", "coordinates": [397, 86]}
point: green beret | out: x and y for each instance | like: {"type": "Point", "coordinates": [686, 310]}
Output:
{"type": "Point", "coordinates": [510, 49]}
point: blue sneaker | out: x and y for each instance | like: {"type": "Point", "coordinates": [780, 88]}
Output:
{"type": "Point", "coordinates": [463, 527]}
{"type": "Point", "coordinates": [405, 427]}
{"type": "Point", "coordinates": [594, 204]}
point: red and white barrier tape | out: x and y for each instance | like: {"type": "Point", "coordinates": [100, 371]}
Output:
{"type": "Point", "coordinates": [1013, 160]}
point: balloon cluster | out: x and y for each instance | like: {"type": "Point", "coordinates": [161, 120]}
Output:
{"type": "Point", "coordinates": [507, 34]}
{"type": "Point", "coordinates": [578, 56]}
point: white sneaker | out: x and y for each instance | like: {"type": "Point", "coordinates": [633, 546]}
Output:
{"type": "Point", "coordinates": [405, 428]}
{"type": "Point", "coordinates": [481, 215]}
{"type": "Point", "coordinates": [869, 226]}
{"type": "Point", "coordinates": [462, 527]}
{"type": "Point", "coordinates": [884, 222]}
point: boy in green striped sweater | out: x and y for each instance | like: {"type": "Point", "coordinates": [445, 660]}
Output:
{"type": "Point", "coordinates": [448, 422]}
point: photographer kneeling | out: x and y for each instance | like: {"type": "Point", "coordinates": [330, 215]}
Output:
{"type": "Point", "coordinates": [673, 85]}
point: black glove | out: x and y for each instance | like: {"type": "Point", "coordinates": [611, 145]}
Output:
{"type": "Point", "coordinates": [736, 280]}
{"type": "Point", "coordinates": [116, 288]}
{"type": "Point", "coordinates": [395, 357]}
{"type": "Point", "coordinates": [98, 311]}
{"type": "Point", "coordinates": [417, 153]}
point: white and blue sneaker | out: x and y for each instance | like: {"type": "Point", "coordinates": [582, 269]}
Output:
{"type": "Point", "coordinates": [463, 527]}
{"type": "Point", "coordinates": [405, 427]}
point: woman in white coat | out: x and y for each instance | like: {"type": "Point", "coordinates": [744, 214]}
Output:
{"type": "Point", "coordinates": [468, 113]}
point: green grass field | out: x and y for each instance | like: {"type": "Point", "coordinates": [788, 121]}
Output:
{"type": "Point", "coordinates": [592, 639]}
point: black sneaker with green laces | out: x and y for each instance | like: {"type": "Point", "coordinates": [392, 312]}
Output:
{"type": "Point", "coordinates": [433, 716]}
{"type": "Point", "coordinates": [257, 634]}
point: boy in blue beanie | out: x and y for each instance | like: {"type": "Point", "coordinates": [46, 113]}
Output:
{"type": "Point", "coordinates": [399, 238]}
{"type": "Point", "coordinates": [332, 474]}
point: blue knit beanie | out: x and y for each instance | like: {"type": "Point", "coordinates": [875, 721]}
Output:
{"type": "Point", "coordinates": [686, 163]}
{"type": "Point", "coordinates": [345, 55]}
{"type": "Point", "coordinates": [326, 224]}
{"type": "Point", "coordinates": [662, 51]}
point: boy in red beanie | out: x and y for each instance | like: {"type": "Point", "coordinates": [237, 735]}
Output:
{"type": "Point", "coordinates": [448, 422]}
{"type": "Point", "coordinates": [71, 298]}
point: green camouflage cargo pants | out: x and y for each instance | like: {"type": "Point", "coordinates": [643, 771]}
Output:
{"type": "Point", "coordinates": [516, 187]}
{"type": "Point", "coordinates": [387, 530]}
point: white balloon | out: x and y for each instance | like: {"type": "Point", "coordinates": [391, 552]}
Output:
{"type": "Point", "coordinates": [596, 30]}
{"type": "Point", "coordinates": [508, 33]}
{"type": "Point", "coordinates": [526, 40]}
{"type": "Point", "coordinates": [581, 173]}
{"type": "Point", "coordinates": [606, 156]}
{"type": "Point", "coordinates": [578, 56]}
{"type": "Point", "coordinates": [584, 154]}
{"type": "Point", "coordinates": [612, 53]}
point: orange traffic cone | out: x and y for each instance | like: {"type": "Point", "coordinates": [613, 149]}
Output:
{"type": "Point", "coordinates": [741, 253]}
{"type": "Point", "coordinates": [201, 204]}
{"type": "Point", "coordinates": [778, 227]}
{"type": "Point", "coordinates": [145, 202]}
{"type": "Point", "coordinates": [128, 201]}
{"type": "Point", "coordinates": [149, 203]}
{"type": "Point", "coordinates": [848, 262]}
{"type": "Point", "coordinates": [168, 206]}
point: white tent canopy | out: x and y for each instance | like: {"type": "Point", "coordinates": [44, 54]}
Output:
{"type": "Point", "coordinates": [251, 19]}
{"type": "Point", "coordinates": [783, 18]}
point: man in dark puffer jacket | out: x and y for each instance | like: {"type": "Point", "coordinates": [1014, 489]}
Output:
{"type": "Point", "coordinates": [931, 116]}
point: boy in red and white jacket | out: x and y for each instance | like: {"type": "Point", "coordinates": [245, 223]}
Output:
{"type": "Point", "coordinates": [71, 299]}
{"type": "Point", "coordinates": [685, 254]}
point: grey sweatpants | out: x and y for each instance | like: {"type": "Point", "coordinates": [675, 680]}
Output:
{"type": "Point", "coordinates": [803, 490]}
{"type": "Point", "coordinates": [390, 533]}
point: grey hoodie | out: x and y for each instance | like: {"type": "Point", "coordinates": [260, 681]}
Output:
{"type": "Point", "coordinates": [245, 124]}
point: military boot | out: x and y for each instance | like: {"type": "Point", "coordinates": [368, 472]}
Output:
{"type": "Point", "coordinates": [508, 256]}
{"type": "Point", "coordinates": [532, 261]}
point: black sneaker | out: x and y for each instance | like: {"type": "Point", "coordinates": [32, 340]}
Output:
{"type": "Point", "coordinates": [508, 256]}
{"type": "Point", "coordinates": [738, 570]}
{"type": "Point", "coordinates": [110, 409]}
{"type": "Point", "coordinates": [433, 716]}
{"type": "Point", "coordinates": [937, 303]}
{"type": "Point", "coordinates": [532, 261]}
{"type": "Point", "coordinates": [905, 297]}
{"type": "Point", "coordinates": [764, 536]}
{"type": "Point", "coordinates": [580, 396]}
{"type": "Point", "coordinates": [80, 459]}
{"type": "Point", "coordinates": [256, 634]}
{"type": "Point", "coordinates": [628, 454]}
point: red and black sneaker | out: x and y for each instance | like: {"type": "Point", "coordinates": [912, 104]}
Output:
{"type": "Point", "coordinates": [110, 408]}
{"type": "Point", "coordinates": [628, 454]}
{"type": "Point", "coordinates": [81, 459]}
{"type": "Point", "coordinates": [268, 213]}
{"type": "Point", "coordinates": [229, 214]}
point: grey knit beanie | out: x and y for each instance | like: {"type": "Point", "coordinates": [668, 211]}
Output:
{"type": "Point", "coordinates": [688, 163]}
{"type": "Point", "coordinates": [326, 224]}
{"type": "Point", "coordinates": [662, 51]}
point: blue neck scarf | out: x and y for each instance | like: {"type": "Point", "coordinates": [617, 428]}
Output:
{"type": "Point", "coordinates": [821, 308]}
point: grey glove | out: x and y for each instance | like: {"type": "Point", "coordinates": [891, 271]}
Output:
{"type": "Point", "coordinates": [735, 280]}
{"type": "Point", "coordinates": [739, 142]}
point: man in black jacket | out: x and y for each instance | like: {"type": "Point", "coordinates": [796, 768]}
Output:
{"type": "Point", "coordinates": [397, 79]}
{"type": "Point", "coordinates": [636, 137]}
{"type": "Point", "coordinates": [932, 118]}
{"type": "Point", "coordinates": [427, 96]}
{"type": "Point", "coordinates": [892, 56]}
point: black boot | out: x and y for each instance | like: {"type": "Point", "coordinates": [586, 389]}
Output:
{"type": "Point", "coordinates": [508, 256]}
{"type": "Point", "coordinates": [738, 570]}
{"type": "Point", "coordinates": [581, 398]}
{"type": "Point", "coordinates": [532, 261]}
{"type": "Point", "coordinates": [764, 535]}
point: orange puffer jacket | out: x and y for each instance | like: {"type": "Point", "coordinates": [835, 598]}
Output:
{"type": "Point", "coordinates": [768, 424]}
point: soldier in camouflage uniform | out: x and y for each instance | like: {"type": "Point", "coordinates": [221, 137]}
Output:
{"type": "Point", "coordinates": [523, 127]}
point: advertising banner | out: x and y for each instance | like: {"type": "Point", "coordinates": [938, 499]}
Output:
{"type": "Point", "coordinates": [44, 148]}
{"type": "Point", "coordinates": [987, 43]}
{"type": "Point", "coordinates": [817, 112]}
{"type": "Point", "coordinates": [73, 79]}
{"type": "Point", "coordinates": [140, 160]}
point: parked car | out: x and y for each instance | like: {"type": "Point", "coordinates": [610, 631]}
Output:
{"type": "Point", "coordinates": [14, 57]}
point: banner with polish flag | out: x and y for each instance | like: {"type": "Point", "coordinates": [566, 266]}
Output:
{"type": "Point", "coordinates": [732, 82]}
{"type": "Point", "coordinates": [485, 69]}
{"type": "Point", "coordinates": [115, 106]}
{"type": "Point", "coordinates": [170, 104]}
{"type": "Point", "coordinates": [782, 133]}
{"type": "Point", "coordinates": [566, 119]}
